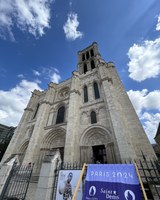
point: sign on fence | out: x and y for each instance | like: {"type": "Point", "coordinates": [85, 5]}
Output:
{"type": "Point", "coordinates": [112, 181]}
{"type": "Point", "coordinates": [67, 181]}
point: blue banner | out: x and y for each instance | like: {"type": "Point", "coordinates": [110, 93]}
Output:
{"type": "Point", "coordinates": [112, 181]}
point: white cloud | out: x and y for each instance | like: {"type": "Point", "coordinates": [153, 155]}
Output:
{"type": "Point", "coordinates": [144, 100]}
{"type": "Point", "coordinates": [55, 77]}
{"type": "Point", "coordinates": [13, 102]}
{"type": "Point", "coordinates": [145, 103]}
{"type": "Point", "coordinates": [144, 60]}
{"type": "Point", "coordinates": [37, 81]}
{"type": "Point", "coordinates": [20, 76]}
{"type": "Point", "coordinates": [145, 63]}
{"type": "Point", "coordinates": [70, 27]}
{"type": "Point", "coordinates": [36, 73]}
{"type": "Point", "coordinates": [158, 24]}
{"type": "Point", "coordinates": [152, 100]}
{"type": "Point", "coordinates": [150, 124]}
{"type": "Point", "coordinates": [32, 16]}
{"type": "Point", "coordinates": [56, 70]}
{"type": "Point", "coordinates": [52, 74]}
{"type": "Point", "coordinates": [137, 99]}
{"type": "Point", "coordinates": [70, 4]}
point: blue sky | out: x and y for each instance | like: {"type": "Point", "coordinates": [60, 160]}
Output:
{"type": "Point", "coordinates": [39, 41]}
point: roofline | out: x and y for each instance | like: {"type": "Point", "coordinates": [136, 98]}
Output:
{"type": "Point", "coordinates": [87, 47]}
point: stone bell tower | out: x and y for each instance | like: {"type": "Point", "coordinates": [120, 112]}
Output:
{"type": "Point", "coordinates": [110, 130]}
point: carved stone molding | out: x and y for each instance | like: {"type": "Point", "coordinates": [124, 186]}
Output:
{"type": "Point", "coordinates": [29, 109]}
{"type": "Point", "coordinates": [107, 79]}
{"type": "Point", "coordinates": [75, 91]}
{"type": "Point", "coordinates": [63, 93]}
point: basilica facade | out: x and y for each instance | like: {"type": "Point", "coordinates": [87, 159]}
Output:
{"type": "Point", "coordinates": [88, 118]}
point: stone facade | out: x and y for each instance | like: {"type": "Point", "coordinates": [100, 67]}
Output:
{"type": "Point", "coordinates": [117, 132]}
{"type": "Point", "coordinates": [88, 117]}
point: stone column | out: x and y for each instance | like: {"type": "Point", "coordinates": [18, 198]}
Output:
{"type": "Point", "coordinates": [72, 150]}
{"type": "Point", "coordinates": [91, 97]}
{"type": "Point", "coordinates": [47, 175]}
{"type": "Point", "coordinates": [125, 151]}
{"type": "Point", "coordinates": [88, 66]}
{"type": "Point", "coordinates": [135, 132]}
{"type": "Point", "coordinates": [95, 48]}
{"type": "Point", "coordinates": [32, 152]}
{"type": "Point", "coordinates": [110, 153]}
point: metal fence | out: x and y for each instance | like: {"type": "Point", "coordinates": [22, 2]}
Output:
{"type": "Point", "coordinates": [150, 175]}
{"type": "Point", "coordinates": [17, 183]}
{"type": "Point", "coordinates": [148, 169]}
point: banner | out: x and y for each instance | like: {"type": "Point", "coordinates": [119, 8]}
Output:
{"type": "Point", "coordinates": [67, 181]}
{"type": "Point", "coordinates": [112, 181]}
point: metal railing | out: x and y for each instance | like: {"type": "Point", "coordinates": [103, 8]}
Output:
{"type": "Point", "coordinates": [17, 183]}
{"type": "Point", "coordinates": [18, 180]}
{"type": "Point", "coordinates": [148, 170]}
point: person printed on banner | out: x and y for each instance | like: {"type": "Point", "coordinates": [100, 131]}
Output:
{"type": "Point", "coordinates": [66, 190]}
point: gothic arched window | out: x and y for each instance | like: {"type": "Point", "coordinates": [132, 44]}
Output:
{"type": "Point", "coordinates": [60, 115]}
{"type": "Point", "coordinates": [87, 55]}
{"type": "Point", "coordinates": [85, 94]}
{"type": "Point", "coordinates": [83, 57]}
{"type": "Point", "coordinates": [96, 90]}
{"type": "Point", "coordinates": [92, 53]}
{"type": "Point", "coordinates": [93, 117]}
{"type": "Point", "coordinates": [85, 68]}
{"type": "Point", "coordinates": [92, 64]}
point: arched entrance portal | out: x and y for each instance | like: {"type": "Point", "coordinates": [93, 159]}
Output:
{"type": "Point", "coordinates": [96, 146]}
{"type": "Point", "coordinates": [53, 141]}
